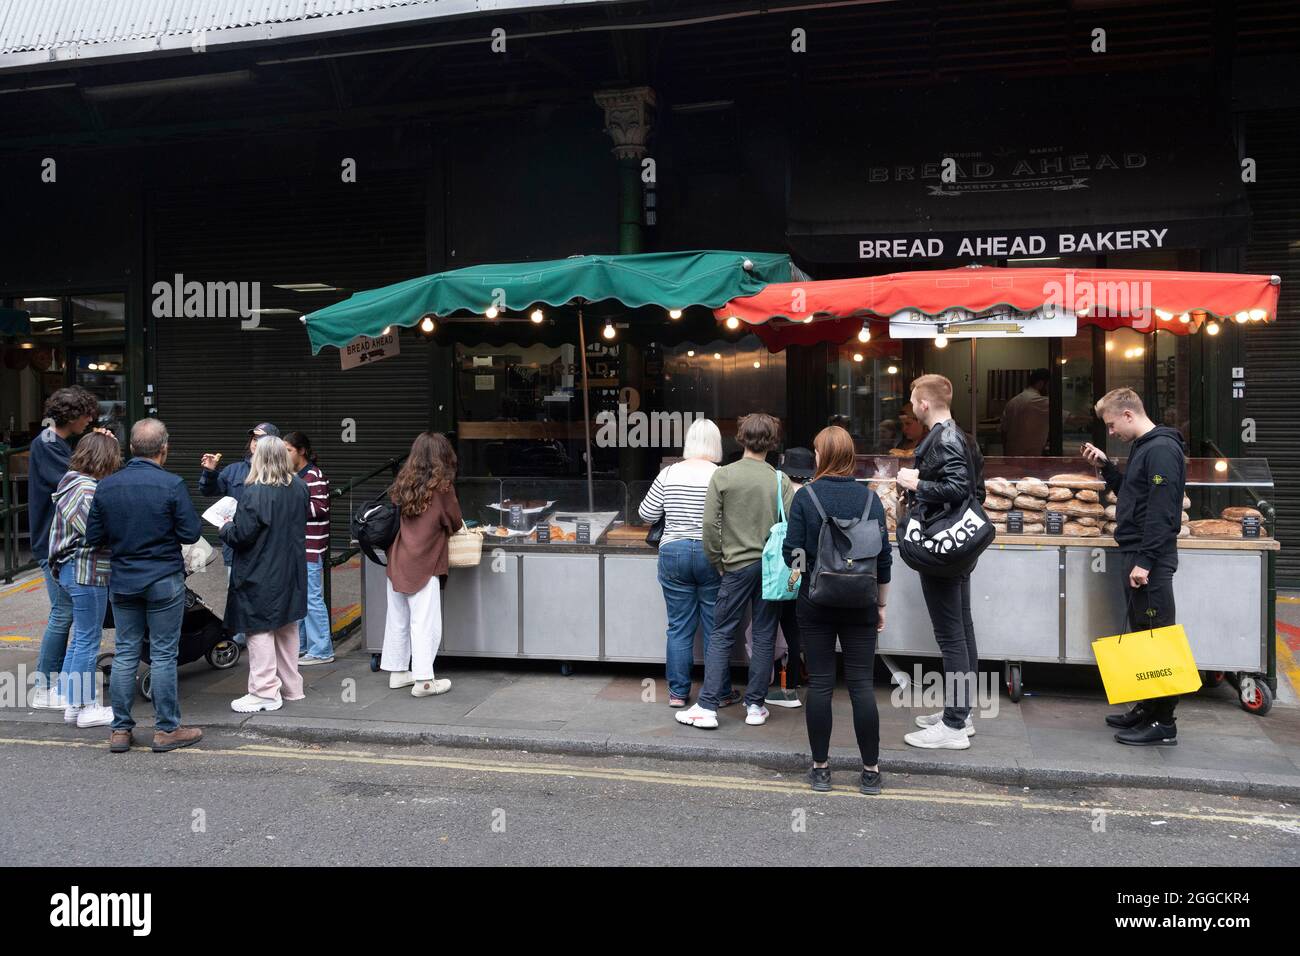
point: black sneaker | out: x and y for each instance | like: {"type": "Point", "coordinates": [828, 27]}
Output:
{"type": "Point", "coordinates": [820, 778]}
{"type": "Point", "coordinates": [1150, 735]}
{"type": "Point", "coordinates": [1129, 719]}
{"type": "Point", "coordinates": [870, 782]}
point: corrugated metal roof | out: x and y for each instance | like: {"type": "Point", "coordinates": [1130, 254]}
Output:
{"type": "Point", "coordinates": [38, 31]}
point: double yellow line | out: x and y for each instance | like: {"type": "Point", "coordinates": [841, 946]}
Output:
{"type": "Point", "coordinates": [1285, 822]}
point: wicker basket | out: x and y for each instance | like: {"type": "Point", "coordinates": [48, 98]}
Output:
{"type": "Point", "coordinates": [465, 548]}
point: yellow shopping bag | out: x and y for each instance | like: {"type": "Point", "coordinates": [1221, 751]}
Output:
{"type": "Point", "coordinates": [1146, 664]}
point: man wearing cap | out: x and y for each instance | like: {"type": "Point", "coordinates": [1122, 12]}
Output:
{"type": "Point", "coordinates": [229, 482]}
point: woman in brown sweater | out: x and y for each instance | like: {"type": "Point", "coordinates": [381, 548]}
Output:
{"type": "Point", "coordinates": [417, 564]}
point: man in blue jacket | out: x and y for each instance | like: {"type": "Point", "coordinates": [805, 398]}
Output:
{"type": "Point", "coordinates": [70, 411]}
{"type": "Point", "coordinates": [1148, 516]}
{"type": "Point", "coordinates": [229, 481]}
{"type": "Point", "coordinates": [143, 515]}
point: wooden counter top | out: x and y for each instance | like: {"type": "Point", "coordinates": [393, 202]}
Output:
{"type": "Point", "coordinates": [1105, 541]}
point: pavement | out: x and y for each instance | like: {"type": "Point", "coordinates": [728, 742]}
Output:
{"type": "Point", "coordinates": [1053, 737]}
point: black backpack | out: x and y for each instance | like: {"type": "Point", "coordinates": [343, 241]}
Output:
{"type": "Point", "coordinates": [847, 548]}
{"type": "Point", "coordinates": [375, 525]}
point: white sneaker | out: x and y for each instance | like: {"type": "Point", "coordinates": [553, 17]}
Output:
{"type": "Point", "coordinates": [251, 704]}
{"type": "Point", "coordinates": [95, 715]}
{"type": "Point", "coordinates": [70, 713]}
{"type": "Point", "coordinates": [431, 688]}
{"type": "Point", "coordinates": [929, 720]}
{"type": "Point", "coordinates": [308, 660]}
{"type": "Point", "coordinates": [939, 737]}
{"type": "Point", "coordinates": [698, 716]}
{"type": "Point", "coordinates": [43, 699]}
{"type": "Point", "coordinates": [756, 715]}
{"type": "Point", "coordinates": [398, 679]}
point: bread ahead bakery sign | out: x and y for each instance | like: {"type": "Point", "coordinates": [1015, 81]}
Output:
{"type": "Point", "coordinates": [1013, 244]}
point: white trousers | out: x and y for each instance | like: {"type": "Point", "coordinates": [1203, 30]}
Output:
{"type": "Point", "coordinates": [413, 630]}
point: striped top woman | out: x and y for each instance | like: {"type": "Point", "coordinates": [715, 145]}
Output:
{"type": "Point", "coordinates": [315, 643]}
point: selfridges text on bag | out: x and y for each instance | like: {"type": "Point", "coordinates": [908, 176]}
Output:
{"type": "Point", "coordinates": [949, 541]}
{"type": "Point", "coordinates": [847, 548]}
{"type": "Point", "coordinates": [375, 525]}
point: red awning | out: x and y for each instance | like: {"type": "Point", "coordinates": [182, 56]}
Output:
{"type": "Point", "coordinates": [1145, 300]}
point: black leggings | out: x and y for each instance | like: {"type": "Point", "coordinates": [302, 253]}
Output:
{"type": "Point", "coordinates": [790, 628]}
{"type": "Point", "coordinates": [856, 629]}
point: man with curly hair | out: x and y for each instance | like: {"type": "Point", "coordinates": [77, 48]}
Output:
{"type": "Point", "coordinates": [69, 412]}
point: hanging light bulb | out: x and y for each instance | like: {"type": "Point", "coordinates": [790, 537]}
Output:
{"type": "Point", "coordinates": [1220, 466]}
{"type": "Point", "coordinates": [537, 317]}
{"type": "Point", "coordinates": [857, 356]}
{"type": "Point", "coordinates": [1258, 315]}
{"type": "Point", "coordinates": [387, 329]}
{"type": "Point", "coordinates": [1163, 315]}
{"type": "Point", "coordinates": [492, 312]}
{"type": "Point", "coordinates": [1185, 318]}
{"type": "Point", "coordinates": [941, 341]}
{"type": "Point", "coordinates": [864, 334]}
{"type": "Point", "coordinates": [807, 320]}
{"type": "Point", "coordinates": [717, 355]}
{"type": "Point", "coordinates": [758, 365]}
{"type": "Point", "coordinates": [1212, 328]}
{"type": "Point", "coordinates": [608, 331]}
{"type": "Point", "coordinates": [1110, 345]}
{"type": "Point", "coordinates": [733, 323]}
{"type": "Point", "coordinates": [690, 353]}
{"type": "Point", "coordinates": [426, 324]}
{"type": "Point", "coordinates": [674, 313]}
{"type": "Point", "coordinates": [1063, 360]}
{"type": "Point", "coordinates": [1242, 318]}
{"type": "Point", "coordinates": [892, 370]}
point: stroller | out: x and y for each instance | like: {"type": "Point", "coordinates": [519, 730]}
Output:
{"type": "Point", "coordinates": [202, 635]}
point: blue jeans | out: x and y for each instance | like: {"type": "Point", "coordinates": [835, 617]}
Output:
{"type": "Point", "coordinates": [690, 586]}
{"type": "Point", "coordinates": [737, 589]}
{"type": "Point", "coordinates": [160, 607]}
{"type": "Point", "coordinates": [239, 638]}
{"type": "Point", "coordinates": [78, 682]}
{"type": "Point", "coordinates": [314, 630]}
{"type": "Point", "coordinates": [54, 645]}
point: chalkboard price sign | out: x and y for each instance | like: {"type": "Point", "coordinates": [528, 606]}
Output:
{"type": "Point", "coordinates": [584, 532]}
{"type": "Point", "coordinates": [1015, 522]}
{"type": "Point", "coordinates": [543, 533]}
{"type": "Point", "coordinates": [1055, 522]}
{"type": "Point", "coordinates": [1250, 527]}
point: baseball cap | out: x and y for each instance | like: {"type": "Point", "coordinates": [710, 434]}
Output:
{"type": "Point", "coordinates": [266, 428]}
{"type": "Point", "coordinates": [798, 463]}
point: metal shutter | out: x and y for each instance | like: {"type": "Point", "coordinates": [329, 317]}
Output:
{"type": "Point", "coordinates": [1273, 352]}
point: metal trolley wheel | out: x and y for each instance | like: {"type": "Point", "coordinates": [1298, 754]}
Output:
{"type": "Point", "coordinates": [374, 663]}
{"type": "Point", "coordinates": [1255, 694]}
{"type": "Point", "coordinates": [1011, 677]}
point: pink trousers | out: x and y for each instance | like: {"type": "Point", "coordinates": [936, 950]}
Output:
{"type": "Point", "coordinates": [273, 663]}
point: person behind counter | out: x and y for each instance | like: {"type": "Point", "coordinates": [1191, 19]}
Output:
{"type": "Point", "coordinates": [417, 565]}
{"type": "Point", "coordinates": [838, 495]}
{"type": "Point", "coordinates": [689, 581]}
{"type": "Point", "coordinates": [229, 482]}
{"type": "Point", "coordinates": [1025, 420]}
{"type": "Point", "coordinates": [1147, 518]}
{"type": "Point", "coordinates": [799, 464]}
{"type": "Point", "coordinates": [268, 579]}
{"type": "Point", "coordinates": [315, 642]}
{"type": "Point", "coordinates": [949, 467]}
{"type": "Point", "coordinates": [739, 511]}
{"type": "Point", "coordinates": [912, 431]}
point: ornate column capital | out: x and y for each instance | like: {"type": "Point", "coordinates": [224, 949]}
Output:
{"type": "Point", "coordinates": [629, 117]}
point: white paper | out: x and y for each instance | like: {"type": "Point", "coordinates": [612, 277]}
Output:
{"type": "Point", "coordinates": [221, 512]}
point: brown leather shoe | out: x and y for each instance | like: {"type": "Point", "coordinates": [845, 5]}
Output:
{"type": "Point", "coordinates": [180, 737]}
{"type": "Point", "coordinates": [119, 741]}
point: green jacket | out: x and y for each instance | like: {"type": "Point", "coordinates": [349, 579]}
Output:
{"type": "Point", "coordinates": [739, 511]}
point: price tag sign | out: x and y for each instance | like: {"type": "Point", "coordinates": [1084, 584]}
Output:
{"type": "Point", "coordinates": [1055, 522]}
{"type": "Point", "coordinates": [543, 533]}
{"type": "Point", "coordinates": [584, 532]}
{"type": "Point", "coordinates": [1249, 526]}
{"type": "Point", "coordinates": [1015, 522]}
{"type": "Point", "coordinates": [517, 517]}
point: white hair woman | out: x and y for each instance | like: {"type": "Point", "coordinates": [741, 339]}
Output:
{"type": "Point", "coordinates": [268, 578]}
{"type": "Point", "coordinates": [689, 582]}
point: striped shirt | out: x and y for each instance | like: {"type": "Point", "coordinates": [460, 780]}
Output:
{"type": "Point", "coordinates": [72, 500]}
{"type": "Point", "coordinates": [677, 495]}
{"type": "Point", "coordinates": [318, 512]}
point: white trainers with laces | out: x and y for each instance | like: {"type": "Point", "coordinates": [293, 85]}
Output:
{"type": "Point", "coordinates": [70, 713]}
{"type": "Point", "coordinates": [697, 716]}
{"type": "Point", "coordinates": [94, 715]}
{"type": "Point", "coordinates": [756, 715]}
{"type": "Point", "coordinates": [929, 720]}
{"type": "Point", "coordinates": [431, 688]}
{"type": "Point", "coordinates": [939, 737]}
{"type": "Point", "coordinates": [43, 699]}
{"type": "Point", "coordinates": [252, 704]}
{"type": "Point", "coordinates": [398, 679]}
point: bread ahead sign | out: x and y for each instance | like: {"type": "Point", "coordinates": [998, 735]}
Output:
{"type": "Point", "coordinates": [1014, 244]}
{"type": "Point", "coordinates": [998, 322]}
{"type": "Point", "coordinates": [364, 350]}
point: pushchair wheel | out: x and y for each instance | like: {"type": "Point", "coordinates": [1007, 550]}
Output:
{"type": "Point", "coordinates": [104, 664]}
{"type": "Point", "coordinates": [144, 683]}
{"type": "Point", "coordinates": [223, 655]}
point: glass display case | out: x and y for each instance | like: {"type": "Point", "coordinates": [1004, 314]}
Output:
{"type": "Point", "coordinates": [528, 512]}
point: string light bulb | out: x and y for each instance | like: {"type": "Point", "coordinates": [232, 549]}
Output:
{"type": "Point", "coordinates": [733, 323]}
{"type": "Point", "coordinates": [426, 324]}
{"type": "Point", "coordinates": [674, 313]}
{"type": "Point", "coordinates": [864, 334]}
{"type": "Point", "coordinates": [1212, 328]}
{"type": "Point", "coordinates": [608, 331]}
{"type": "Point", "coordinates": [1242, 318]}
{"type": "Point", "coordinates": [492, 312]}
{"type": "Point", "coordinates": [941, 341]}
{"type": "Point", "coordinates": [857, 356]}
{"type": "Point", "coordinates": [537, 316]}
{"type": "Point", "coordinates": [690, 353]}
{"type": "Point", "coordinates": [892, 370]}
{"type": "Point", "coordinates": [387, 329]}
{"type": "Point", "coordinates": [1258, 315]}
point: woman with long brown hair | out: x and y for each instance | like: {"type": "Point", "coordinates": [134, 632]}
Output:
{"type": "Point", "coordinates": [417, 564]}
{"type": "Point", "coordinates": [835, 494]}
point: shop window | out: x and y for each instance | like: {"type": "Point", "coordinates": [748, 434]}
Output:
{"type": "Point", "coordinates": [1126, 362]}
{"type": "Point", "coordinates": [1078, 418]}
{"type": "Point", "coordinates": [867, 397]}
{"type": "Point", "coordinates": [1012, 398]}
{"type": "Point", "coordinates": [1171, 402]}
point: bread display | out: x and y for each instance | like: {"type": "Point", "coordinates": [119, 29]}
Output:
{"type": "Point", "coordinates": [997, 503]}
{"type": "Point", "coordinates": [1033, 487]}
{"type": "Point", "coordinates": [1000, 487]}
{"type": "Point", "coordinates": [1079, 482]}
{"type": "Point", "coordinates": [1187, 502]}
{"type": "Point", "coordinates": [1109, 527]}
{"type": "Point", "coordinates": [1060, 494]}
{"type": "Point", "coordinates": [1110, 513]}
{"type": "Point", "coordinates": [1236, 514]}
{"type": "Point", "coordinates": [1091, 509]}
{"type": "Point", "coordinates": [1089, 522]}
{"type": "Point", "coordinates": [1086, 494]}
{"type": "Point", "coordinates": [1074, 529]}
{"type": "Point", "coordinates": [1030, 503]}
{"type": "Point", "coordinates": [1110, 498]}
{"type": "Point", "coordinates": [1215, 528]}
{"type": "Point", "coordinates": [1186, 517]}
{"type": "Point", "coordinates": [1185, 531]}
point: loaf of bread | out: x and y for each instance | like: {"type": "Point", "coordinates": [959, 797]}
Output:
{"type": "Point", "coordinates": [1185, 531]}
{"type": "Point", "coordinates": [1060, 494]}
{"type": "Point", "coordinates": [1000, 486]}
{"type": "Point", "coordinates": [1078, 482]}
{"type": "Point", "coordinates": [1090, 522]}
{"type": "Point", "coordinates": [1110, 512]}
{"type": "Point", "coordinates": [1187, 502]}
{"type": "Point", "coordinates": [1091, 509]}
{"type": "Point", "coordinates": [1033, 487]}
{"type": "Point", "coordinates": [1087, 494]}
{"type": "Point", "coordinates": [1075, 530]}
{"type": "Point", "coordinates": [1236, 514]}
{"type": "Point", "coordinates": [997, 503]}
{"type": "Point", "coordinates": [1215, 528]}
{"type": "Point", "coordinates": [1109, 527]}
{"type": "Point", "coordinates": [1111, 498]}
{"type": "Point", "coordinates": [1036, 528]}
{"type": "Point", "coordinates": [1186, 517]}
{"type": "Point", "coordinates": [1030, 503]}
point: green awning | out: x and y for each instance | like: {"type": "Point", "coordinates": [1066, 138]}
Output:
{"type": "Point", "coordinates": [671, 280]}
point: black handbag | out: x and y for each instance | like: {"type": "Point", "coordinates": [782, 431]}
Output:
{"type": "Point", "coordinates": [948, 543]}
{"type": "Point", "coordinates": [656, 533]}
{"type": "Point", "coordinates": [375, 525]}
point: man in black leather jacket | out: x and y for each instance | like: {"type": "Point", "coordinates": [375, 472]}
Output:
{"type": "Point", "coordinates": [949, 468]}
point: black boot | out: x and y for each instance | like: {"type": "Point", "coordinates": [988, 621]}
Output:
{"type": "Point", "coordinates": [1139, 715]}
{"type": "Point", "coordinates": [1149, 735]}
